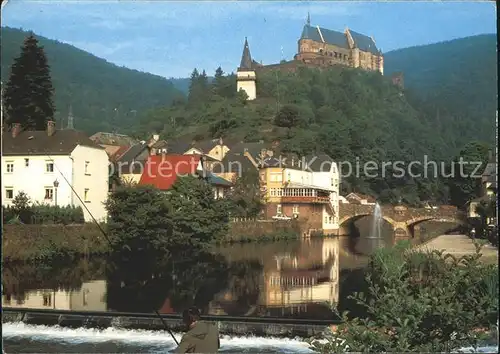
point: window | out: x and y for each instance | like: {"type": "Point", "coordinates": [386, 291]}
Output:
{"type": "Point", "coordinates": [87, 168]}
{"type": "Point", "coordinates": [296, 209]}
{"type": "Point", "coordinates": [49, 167]}
{"type": "Point", "coordinates": [47, 299]}
{"type": "Point", "coordinates": [276, 177]}
{"type": "Point", "coordinates": [278, 209]}
{"type": "Point", "coordinates": [49, 193]}
{"type": "Point", "coordinates": [85, 297]}
{"type": "Point", "coordinates": [26, 162]}
{"type": "Point", "coordinates": [10, 166]}
{"type": "Point", "coordinates": [9, 193]}
{"type": "Point", "coordinates": [332, 182]}
{"type": "Point", "coordinates": [86, 195]}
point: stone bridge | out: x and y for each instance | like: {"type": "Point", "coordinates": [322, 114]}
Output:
{"type": "Point", "coordinates": [402, 219]}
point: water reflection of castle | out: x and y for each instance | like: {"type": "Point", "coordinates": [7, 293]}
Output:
{"type": "Point", "coordinates": [90, 297]}
{"type": "Point", "coordinates": [304, 279]}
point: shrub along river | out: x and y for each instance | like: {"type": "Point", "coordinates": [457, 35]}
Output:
{"type": "Point", "coordinates": [282, 279]}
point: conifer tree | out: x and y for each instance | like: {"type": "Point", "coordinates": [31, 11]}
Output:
{"type": "Point", "coordinates": [193, 86]}
{"type": "Point", "coordinates": [218, 82]}
{"type": "Point", "coordinates": [28, 95]}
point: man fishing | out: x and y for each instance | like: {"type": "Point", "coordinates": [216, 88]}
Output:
{"type": "Point", "coordinates": [201, 336]}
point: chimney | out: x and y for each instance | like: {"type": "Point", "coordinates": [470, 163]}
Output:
{"type": "Point", "coordinates": [220, 141]}
{"type": "Point", "coordinates": [16, 129]}
{"type": "Point", "coordinates": [51, 127]}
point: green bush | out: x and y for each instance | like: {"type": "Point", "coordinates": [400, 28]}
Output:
{"type": "Point", "coordinates": [43, 214]}
{"type": "Point", "coordinates": [145, 219]}
{"type": "Point", "coordinates": [419, 301]}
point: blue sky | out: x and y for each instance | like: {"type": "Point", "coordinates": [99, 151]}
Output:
{"type": "Point", "coordinates": [170, 38]}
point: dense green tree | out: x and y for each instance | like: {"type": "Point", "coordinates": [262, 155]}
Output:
{"type": "Point", "coordinates": [465, 172]}
{"type": "Point", "coordinates": [140, 220]}
{"type": "Point", "coordinates": [149, 221]}
{"type": "Point", "coordinates": [245, 197]}
{"type": "Point", "coordinates": [198, 218]}
{"type": "Point", "coordinates": [29, 92]}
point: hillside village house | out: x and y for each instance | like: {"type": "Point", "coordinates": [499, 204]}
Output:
{"type": "Point", "coordinates": [489, 178]}
{"type": "Point", "coordinates": [112, 142]}
{"type": "Point", "coordinates": [46, 164]}
{"type": "Point", "coordinates": [358, 198]}
{"type": "Point", "coordinates": [488, 190]}
{"type": "Point", "coordinates": [131, 161]}
{"type": "Point", "coordinates": [162, 171]}
{"type": "Point", "coordinates": [305, 188]}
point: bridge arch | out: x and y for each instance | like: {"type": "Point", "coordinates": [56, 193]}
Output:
{"type": "Point", "coordinates": [410, 224]}
{"type": "Point", "coordinates": [353, 218]}
{"type": "Point", "coordinates": [415, 221]}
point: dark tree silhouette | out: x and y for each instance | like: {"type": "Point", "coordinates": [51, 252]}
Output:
{"type": "Point", "coordinates": [29, 92]}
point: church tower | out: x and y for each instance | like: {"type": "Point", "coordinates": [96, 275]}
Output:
{"type": "Point", "coordinates": [70, 118]}
{"type": "Point", "coordinates": [245, 75]}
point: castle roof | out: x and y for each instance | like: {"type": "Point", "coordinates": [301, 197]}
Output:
{"type": "Point", "coordinates": [339, 39]}
{"type": "Point", "coordinates": [246, 58]}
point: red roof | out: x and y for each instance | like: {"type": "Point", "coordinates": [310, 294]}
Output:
{"type": "Point", "coordinates": [162, 171]}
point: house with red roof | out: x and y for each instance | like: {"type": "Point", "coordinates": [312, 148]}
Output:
{"type": "Point", "coordinates": [162, 171]}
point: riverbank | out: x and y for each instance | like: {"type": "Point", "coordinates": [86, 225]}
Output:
{"type": "Point", "coordinates": [460, 245]}
{"type": "Point", "coordinates": [25, 242]}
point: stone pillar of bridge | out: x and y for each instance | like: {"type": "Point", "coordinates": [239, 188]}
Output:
{"type": "Point", "coordinates": [401, 231]}
{"type": "Point", "coordinates": [417, 231]}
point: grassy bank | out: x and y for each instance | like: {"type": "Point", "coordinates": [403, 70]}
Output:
{"type": "Point", "coordinates": [22, 242]}
{"type": "Point", "coordinates": [43, 242]}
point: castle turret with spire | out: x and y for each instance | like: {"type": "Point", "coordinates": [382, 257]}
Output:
{"type": "Point", "coordinates": [246, 74]}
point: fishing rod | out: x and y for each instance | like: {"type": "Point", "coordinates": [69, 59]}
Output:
{"type": "Point", "coordinates": [106, 237]}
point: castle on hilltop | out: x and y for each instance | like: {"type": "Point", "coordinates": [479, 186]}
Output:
{"type": "Point", "coordinates": [317, 47]}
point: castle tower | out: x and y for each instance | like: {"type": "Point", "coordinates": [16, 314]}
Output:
{"type": "Point", "coordinates": [70, 119]}
{"type": "Point", "coordinates": [245, 76]}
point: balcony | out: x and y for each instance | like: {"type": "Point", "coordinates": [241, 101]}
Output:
{"type": "Point", "coordinates": [303, 195]}
{"type": "Point", "coordinates": [305, 199]}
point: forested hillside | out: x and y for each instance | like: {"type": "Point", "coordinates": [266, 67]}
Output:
{"type": "Point", "coordinates": [454, 83]}
{"type": "Point", "coordinates": [352, 115]}
{"type": "Point", "coordinates": [104, 97]}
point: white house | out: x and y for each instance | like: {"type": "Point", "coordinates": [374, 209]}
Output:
{"type": "Point", "coordinates": [318, 175]}
{"type": "Point", "coordinates": [55, 167]}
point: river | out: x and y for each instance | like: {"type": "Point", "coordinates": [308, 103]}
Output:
{"type": "Point", "coordinates": [303, 279]}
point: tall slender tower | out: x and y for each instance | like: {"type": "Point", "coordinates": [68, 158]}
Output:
{"type": "Point", "coordinates": [245, 75]}
{"type": "Point", "coordinates": [70, 118]}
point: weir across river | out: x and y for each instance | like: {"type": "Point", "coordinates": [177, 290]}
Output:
{"type": "Point", "coordinates": [259, 326]}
